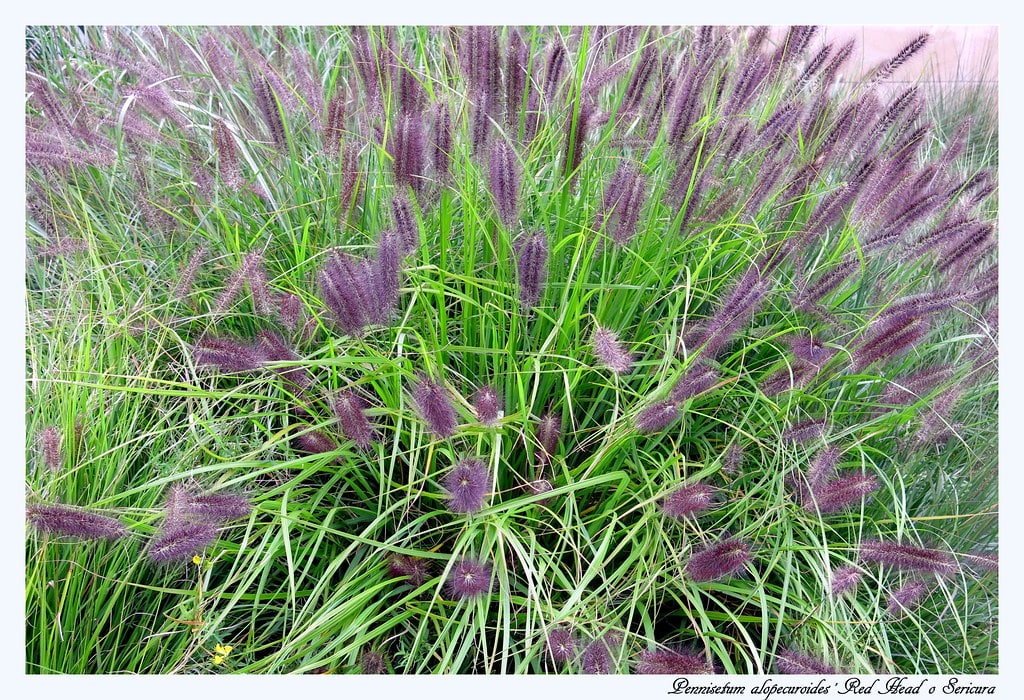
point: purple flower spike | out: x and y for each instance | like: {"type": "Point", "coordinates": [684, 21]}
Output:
{"type": "Point", "coordinates": [793, 662]}
{"type": "Point", "coordinates": [435, 407]}
{"type": "Point", "coordinates": [907, 596]}
{"type": "Point", "coordinates": [561, 645]}
{"type": "Point", "coordinates": [351, 413]}
{"type": "Point", "coordinates": [597, 658]}
{"type": "Point", "coordinates": [822, 469]}
{"type": "Point", "coordinates": [697, 380]}
{"type": "Point", "coordinates": [669, 662]}
{"type": "Point", "coordinates": [181, 541]}
{"type": "Point", "coordinates": [907, 557]}
{"type": "Point", "coordinates": [227, 355]}
{"type": "Point", "coordinates": [468, 484]}
{"type": "Point", "coordinates": [314, 443]}
{"type": "Point", "coordinates": [844, 579]}
{"type": "Point", "coordinates": [74, 522]}
{"type": "Point", "coordinates": [805, 431]}
{"type": "Point", "coordinates": [549, 431]}
{"type": "Point", "coordinates": [504, 181]}
{"type": "Point", "coordinates": [610, 352]}
{"type": "Point", "coordinates": [532, 265]}
{"type": "Point", "coordinates": [657, 417]}
{"type": "Point", "coordinates": [49, 445]}
{"type": "Point", "coordinates": [487, 405]}
{"type": "Point", "coordinates": [469, 579]}
{"type": "Point", "coordinates": [273, 349]}
{"type": "Point", "coordinates": [718, 560]}
{"type": "Point", "coordinates": [688, 500]}
{"type": "Point", "coordinates": [415, 569]}
{"type": "Point", "coordinates": [213, 507]}
{"type": "Point", "coordinates": [841, 493]}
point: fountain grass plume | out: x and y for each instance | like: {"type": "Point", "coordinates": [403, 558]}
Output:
{"type": "Point", "coordinates": [435, 407]}
{"type": "Point", "coordinates": [467, 484]}
{"type": "Point", "coordinates": [62, 520]}
{"type": "Point", "coordinates": [718, 560]}
{"type": "Point", "coordinates": [907, 557]}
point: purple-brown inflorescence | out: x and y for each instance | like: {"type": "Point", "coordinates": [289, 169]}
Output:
{"type": "Point", "coordinates": [672, 662]}
{"type": "Point", "coordinates": [184, 505]}
{"type": "Point", "coordinates": [795, 663]}
{"type": "Point", "coordinates": [657, 417]}
{"type": "Point", "coordinates": [548, 432]}
{"type": "Point", "coordinates": [351, 289]}
{"type": "Point", "coordinates": [841, 493]}
{"type": "Point", "coordinates": [487, 405]}
{"type": "Point", "coordinates": [407, 147]}
{"type": "Point", "coordinates": [468, 484]}
{"type": "Point", "coordinates": [64, 520]}
{"type": "Point", "coordinates": [351, 412]}
{"type": "Point", "coordinates": [314, 443]}
{"type": "Point", "coordinates": [623, 199]}
{"type": "Point", "coordinates": [805, 431]}
{"type": "Point", "coordinates": [181, 541]}
{"type": "Point", "coordinates": [906, 596]}
{"type": "Point", "coordinates": [718, 560]}
{"type": "Point", "coordinates": [49, 446]}
{"type": "Point", "coordinates": [414, 569]}
{"type": "Point", "coordinates": [698, 379]}
{"type": "Point", "coordinates": [228, 355]}
{"type": "Point", "coordinates": [844, 579]}
{"type": "Point", "coordinates": [688, 500]}
{"type": "Point", "coordinates": [532, 265]}
{"type": "Point", "coordinates": [468, 579]}
{"type": "Point", "coordinates": [435, 407]}
{"type": "Point", "coordinates": [610, 352]}
{"type": "Point", "coordinates": [504, 181]}
{"type": "Point", "coordinates": [907, 557]}
{"type": "Point", "coordinates": [271, 348]}
{"type": "Point", "coordinates": [561, 645]}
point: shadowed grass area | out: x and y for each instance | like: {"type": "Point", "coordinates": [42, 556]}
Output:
{"type": "Point", "coordinates": [276, 266]}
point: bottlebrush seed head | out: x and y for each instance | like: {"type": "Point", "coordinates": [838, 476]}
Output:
{"type": "Point", "coordinates": [596, 658]}
{"type": "Point", "coordinates": [805, 431]}
{"type": "Point", "coordinates": [210, 507]}
{"type": "Point", "coordinates": [468, 579]}
{"type": "Point", "coordinates": [74, 522]}
{"type": "Point", "coordinates": [435, 407]}
{"type": "Point", "coordinates": [227, 355]}
{"type": "Point", "coordinates": [841, 493]}
{"type": "Point", "coordinates": [822, 469]}
{"type": "Point", "coordinates": [657, 417]}
{"type": "Point", "coordinates": [487, 405]}
{"type": "Point", "coordinates": [549, 431]}
{"type": "Point", "coordinates": [504, 181]}
{"type": "Point", "coordinates": [351, 413]}
{"type": "Point", "coordinates": [688, 500]}
{"type": "Point", "coordinates": [793, 662]}
{"type": "Point", "coordinates": [907, 596]}
{"type": "Point", "coordinates": [671, 662]}
{"type": "Point", "coordinates": [373, 663]}
{"type": "Point", "coordinates": [844, 579]}
{"type": "Point", "coordinates": [697, 380]}
{"type": "Point", "coordinates": [732, 460]}
{"type": "Point", "coordinates": [468, 484]}
{"type": "Point", "coordinates": [314, 443]}
{"type": "Point", "coordinates": [181, 541]}
{"type": "Point", "coordinates": [718, 560]}
{"type": "Point", "coordinates": [561, 645]}
{"type": "Point", "coordinates": [610, 352]}
{"type": "Point", "coordinates": [532, 265]}
{"type": "Point", "coordinates": [272, 349]}
{"type": "Point", "coordinates": [907, 557]}
{"type": "Point", "coordinates": [415, 569]}
{"type": "Point", "coordinates": [49, 445]}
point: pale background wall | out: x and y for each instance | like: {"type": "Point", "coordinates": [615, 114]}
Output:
{"type": "Point", "coordinates": [953, 52]}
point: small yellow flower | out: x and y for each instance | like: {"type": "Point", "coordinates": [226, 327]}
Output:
{"type": "Point", "coordinates": [218, 660]}
{"type": "Point", "coordinates": [222, 649]}
{"type": "Point", "coordinates": [197, 559]}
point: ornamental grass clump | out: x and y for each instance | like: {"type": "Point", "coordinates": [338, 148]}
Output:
{"type": "Point", "coordinates": [481, 349]}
